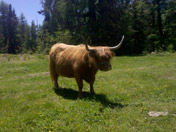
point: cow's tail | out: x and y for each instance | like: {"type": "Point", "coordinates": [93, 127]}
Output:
{"type": "Point", "coordinates": [52, 66]}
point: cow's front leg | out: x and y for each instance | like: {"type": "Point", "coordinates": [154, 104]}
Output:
{"type": "Point", "coordinates": [92, 89]}
{"type": "Point", "coordinates": [80, 85]}
{"type": "Point", "coordinates": [91, 85]}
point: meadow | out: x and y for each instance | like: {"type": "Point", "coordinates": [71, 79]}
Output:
{"type": "Point", "coordinates": [124, 96]}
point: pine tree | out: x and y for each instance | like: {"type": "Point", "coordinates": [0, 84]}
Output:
{"type": "Point", "coordinates": [33, 37]}
{"type": "Point", "coordinates": [12, 40]}
{"type": "Point", "coordinates": [3, 27]}
{"type": "Point", "coordinates": [170, 25]}
{"type": "Point", "coordinates": [23, 33]}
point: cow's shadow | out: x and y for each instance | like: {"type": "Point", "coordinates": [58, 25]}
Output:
{"type": "Point", "coordinates": [72, 94]}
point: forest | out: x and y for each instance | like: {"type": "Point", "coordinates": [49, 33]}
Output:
{"type": "Point", "coordinates": [148, 26]}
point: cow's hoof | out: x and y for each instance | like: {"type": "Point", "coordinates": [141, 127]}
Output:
{"type": "Point", "coordinates": [56, 86]}
{"type": "Point", "coordinates": [80, 96]}
{"type": "Point", "coordinates": [92, 92]}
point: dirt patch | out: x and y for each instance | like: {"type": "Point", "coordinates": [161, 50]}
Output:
{"type": "Point", "coordinates": [38, 74]}
{"type": "Point", "coordinates": [169, 76]}
{"type": "Point", "coordinates": [12, 58]}
{"type": "Point", "coordinates": [157, 114]}
{"type": "Point", "coordinates": [29, 76]}
{"type": "Point", "coordinates": [172, 77]}
{"type": "Point", "coordinates": [141, 68]}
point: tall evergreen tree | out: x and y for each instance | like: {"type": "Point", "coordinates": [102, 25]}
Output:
{"type": "Point", "coordinates": [3, 26]}
{"type": "Point", "coordinates": [23, 33]}
{"type": "Point", "coordinates": [170, 25]}
{"type": "Point", "coordinates": [12, 40]}
{"type": "Point", "coordinates": [33, 37]}
{"type": "Point", "coordinates": [137, 25]}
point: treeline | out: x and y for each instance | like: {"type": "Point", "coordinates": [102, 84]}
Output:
{"type": "Point", "coordinates": [16, 35]}
{"type": "Point", "coordinates": [148, 25]}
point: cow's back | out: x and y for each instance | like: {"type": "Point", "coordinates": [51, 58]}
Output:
{"type": "Point", "coordinates": [67, 58]}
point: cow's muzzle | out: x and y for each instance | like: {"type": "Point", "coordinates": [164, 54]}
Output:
{"type": "Point", "coordinates": [105, 66]}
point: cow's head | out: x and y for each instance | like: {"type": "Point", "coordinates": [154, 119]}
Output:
{"type": "Point", "coordinates": [103, 55]}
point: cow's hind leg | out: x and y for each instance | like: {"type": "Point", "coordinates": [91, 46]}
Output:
{"type": "Point", "coordinates": [92, 89]}
{"type": "Point", "coordinates": [80, 85]}
{"type": "Point", "coordinates": [53, 73]}
{"type": "Point", "coordinates": [55, 79]}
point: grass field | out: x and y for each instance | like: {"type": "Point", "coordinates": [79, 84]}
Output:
{"type": "Point", "coordinates": [124, 96]}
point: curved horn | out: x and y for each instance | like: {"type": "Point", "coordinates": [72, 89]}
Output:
{"type": "Point", "coordinates": [87, 48]}
{"type": "Point", "coordinates": [117, 46]}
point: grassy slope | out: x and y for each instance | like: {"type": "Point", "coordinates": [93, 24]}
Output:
{"type": "Point", "coordinates": [125, 95]}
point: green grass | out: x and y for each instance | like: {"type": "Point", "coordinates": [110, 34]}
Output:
{"type": "Point", "coordinates": [124, 96]}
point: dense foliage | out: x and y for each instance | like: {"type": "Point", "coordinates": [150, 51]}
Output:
{"type": "Point", "coordinates": [148, 25]}
{"type": "Point", "coordinates": [16, 35]}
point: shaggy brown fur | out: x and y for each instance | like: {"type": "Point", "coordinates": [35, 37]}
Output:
{"type": "Point", "coordinates": [76, 62]}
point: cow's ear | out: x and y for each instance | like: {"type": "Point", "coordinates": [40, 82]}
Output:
{"type": "Point", "coordinates": [113, 53]}
{"type": "Point", "coordinates": [86, 58]}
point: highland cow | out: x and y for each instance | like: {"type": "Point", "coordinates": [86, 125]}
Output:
{"type": "Point", "coordinates": [80, 62]}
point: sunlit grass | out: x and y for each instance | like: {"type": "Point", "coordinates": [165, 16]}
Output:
{"type": "Point", "coordinates": [124, 96]}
